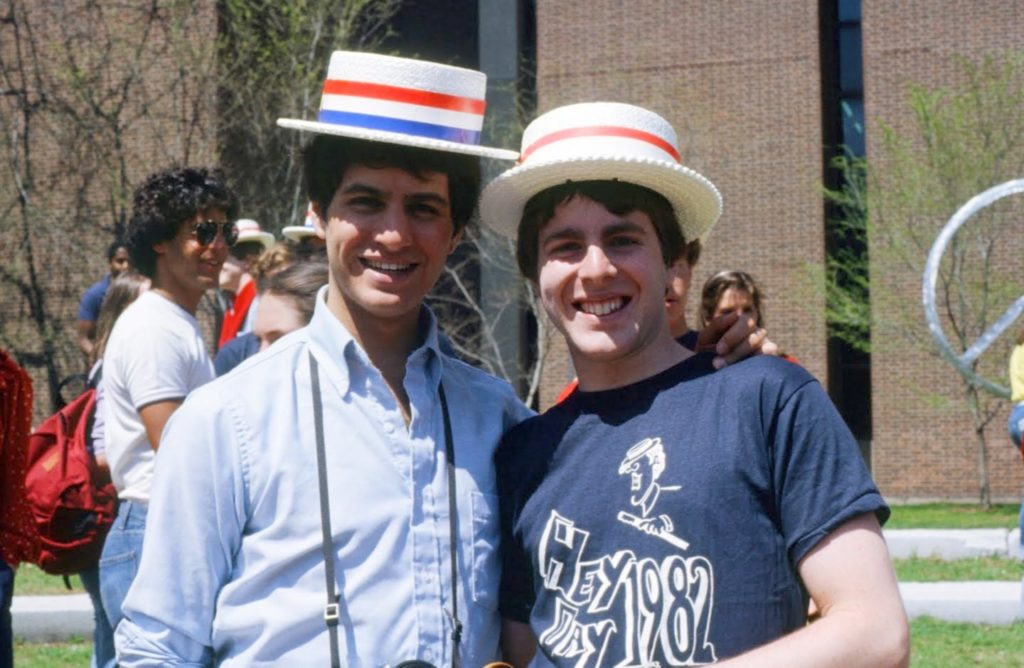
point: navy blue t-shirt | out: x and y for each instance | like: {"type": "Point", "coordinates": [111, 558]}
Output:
{"type": "Point", "coordinates": [89, 307]}
{"type": "Point", "coordinates": [661, 523]}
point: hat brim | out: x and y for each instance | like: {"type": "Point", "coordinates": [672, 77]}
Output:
{"type": "Point", "coordinates": [264, 238]}
{"type": "Point", "coordinates": [695, 200]}
{"type": "Point", "coordinates": [298, 232]}
{"type": "Point", "coordinates": [396, 138]}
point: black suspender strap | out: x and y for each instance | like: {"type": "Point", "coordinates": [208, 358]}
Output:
{"type": "Point", "coordinates": [453, 514]}
{"type": "Point", "coordinates": [331, 609]}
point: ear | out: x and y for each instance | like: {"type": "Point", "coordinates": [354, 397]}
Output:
{"type": "Point", "coordinates": [160, 247]}
{"type": "Point", "coordinates": [456, 238]}
{"type": "Point", "coordinates": [319, 221]}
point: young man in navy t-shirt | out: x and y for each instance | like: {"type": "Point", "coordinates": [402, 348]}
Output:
{"type": "Point", "coordinates": [668, 514]}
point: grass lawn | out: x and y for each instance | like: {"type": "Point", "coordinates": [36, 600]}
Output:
{"type": "Point", "coordinates": [933, 569]}
{"type": "Point", "coordinates": [933, 644]}
{"type": "Point", "coordinates": [954, 516]}
{"type": "Point", "coordinates": [30, 580]}
{"type": "Point", "coordinates": [74, 653]}
{"type": "Point", "coordinates": [937, 644]}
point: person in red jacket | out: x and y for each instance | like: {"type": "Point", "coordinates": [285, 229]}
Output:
{"type": "Point", "coordinates": [18, 540]}
{"type": "Point", "coordinates": [236, 279]}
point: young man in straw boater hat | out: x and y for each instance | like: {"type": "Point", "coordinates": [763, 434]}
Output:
{"type": "Point", "coordinates": [667, 514]}
{"type": "Point", "coordinates": [359, 415]}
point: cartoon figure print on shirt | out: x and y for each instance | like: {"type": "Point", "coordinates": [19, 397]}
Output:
{"type": "Point", "coordinates": [646, 461]}
{"type": "Point", "coordinates": [618, 608]}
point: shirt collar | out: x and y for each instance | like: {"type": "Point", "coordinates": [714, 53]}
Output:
{"type": "Point", "coordinates": [335, 348]}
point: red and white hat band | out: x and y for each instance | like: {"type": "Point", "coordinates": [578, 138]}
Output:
{"type": "Point", "coordinates": [404, 96]}
{"type": "Point", "coordinates": [606, 129]}
{"type": "Point", "coordinates": [602, 139]}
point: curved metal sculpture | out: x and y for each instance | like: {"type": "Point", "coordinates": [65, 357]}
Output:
{"type": "Point", "coordinates": [962, 363]}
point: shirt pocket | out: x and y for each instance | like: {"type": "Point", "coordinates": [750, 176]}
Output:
{"type": "Point", "coordinates": [486, 534]}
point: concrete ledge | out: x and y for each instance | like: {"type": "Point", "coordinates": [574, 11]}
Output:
{"type": "Point", "coordinates": [974, 602]}
{"type": "Point", "coordinates": [50, 618]}
{"type": "Point", "coordinates": [950, 544]}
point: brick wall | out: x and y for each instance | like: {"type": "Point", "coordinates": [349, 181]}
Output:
{"type": "Point", "coordinates": [924, 444]}
{"type": "Point", "coordinates": [740, 82]}
{"type": "Point", "coordinates": [87, 149]}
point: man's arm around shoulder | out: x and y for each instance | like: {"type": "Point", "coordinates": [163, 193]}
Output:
{"type": "Point", "coordinates": [850, 577]}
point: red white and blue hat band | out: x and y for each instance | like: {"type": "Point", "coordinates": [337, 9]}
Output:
{"type": "Point", "coordinates": [408, 111]}
{"type": "Point", "coordinates": [403, 101]}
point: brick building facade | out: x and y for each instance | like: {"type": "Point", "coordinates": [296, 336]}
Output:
{"type": "Point", "coordinates": [746, 85]}
{"type": "Point", "coordinates": [927, 448]}
{"type": "Point", "coordinates": [95, 97]}
{"type": "Point", "coordinates": [743, 84]}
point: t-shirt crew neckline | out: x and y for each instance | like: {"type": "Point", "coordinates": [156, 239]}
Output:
{"type": "Point", "coordinates": [698, 364]}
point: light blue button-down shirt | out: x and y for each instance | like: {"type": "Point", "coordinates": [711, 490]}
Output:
{"type": "Point", "coordinates": [232, 570]}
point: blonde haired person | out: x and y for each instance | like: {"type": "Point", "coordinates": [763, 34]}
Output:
{"type": "Point", "coordinates": [1015, 425]}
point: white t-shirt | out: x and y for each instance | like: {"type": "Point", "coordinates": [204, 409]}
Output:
{"type": "Point", "coordinates": [155, 353]}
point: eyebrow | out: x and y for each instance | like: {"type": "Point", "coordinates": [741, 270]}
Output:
{"type": "Point", "coordinates": [361, 188]}
{"type": "Point", "coordinates": [573, 232]}
{"type": "Point", "coordinates": [428, 197]}
{"type": "Point", "coordinates": [417, 197]}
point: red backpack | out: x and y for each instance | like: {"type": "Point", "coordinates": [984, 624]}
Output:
{"type": "Point", "coordinates": [72, 512]}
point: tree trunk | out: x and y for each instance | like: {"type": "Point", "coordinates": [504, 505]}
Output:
{"type": "Point", "coordinates": [985, 494]}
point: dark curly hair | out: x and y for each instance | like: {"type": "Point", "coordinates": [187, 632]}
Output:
{"type": "Point", "coordinates": [167, 199]}
{"type": "Point", "coordinates": [326, 158]}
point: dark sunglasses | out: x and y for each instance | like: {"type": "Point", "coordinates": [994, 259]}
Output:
{"type": "Point", "coordinates": [205, 232]}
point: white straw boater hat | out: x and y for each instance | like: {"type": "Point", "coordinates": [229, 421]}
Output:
{"type": "Point", "coordinates": [307, 229]}
{"type": "Point", "coordinates": [249, 230]}
{"type": "Point", "coordinates": [402, 101]}
{"type": "Point", "coordinates": [601, 141]}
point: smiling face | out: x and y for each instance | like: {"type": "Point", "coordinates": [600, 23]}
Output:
{"type": "Point", "coordinates": [185, 269]}
{"type": "Point", "coordinates": [602, 280]}
{"type": "Point", "coordinates": [389, 233]}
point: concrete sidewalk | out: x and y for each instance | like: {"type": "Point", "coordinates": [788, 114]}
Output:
{"type": "Point", "coordinates": [42, 618]}
{"type": "Point", "coordinates": [950, 544]}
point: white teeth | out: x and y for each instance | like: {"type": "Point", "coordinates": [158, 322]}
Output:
{"type": "Point", "coordinates": [387, 266]}
{"type": "Point", "coordinates": [602, 308]}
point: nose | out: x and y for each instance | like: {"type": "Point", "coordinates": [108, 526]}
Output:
{"type": "Point", "coordinates": [219, 245]}
{"type": "Point", "coordinates": [596, 264]}
{"type": "Point", "coordinates": [395, 229]}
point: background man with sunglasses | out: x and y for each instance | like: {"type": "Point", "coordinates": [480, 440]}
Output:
{"type": "Point", "coordinates": [181, 227]}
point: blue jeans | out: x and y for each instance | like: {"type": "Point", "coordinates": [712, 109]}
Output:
{"type": "Point", "coordinates": [102, 634]}
{"type": "Point", "coordinates": [120, 559]}
{"type": "Point", "coordinates": [1015, 427]}
{"type": "Point", "coordinates": [6, 598]}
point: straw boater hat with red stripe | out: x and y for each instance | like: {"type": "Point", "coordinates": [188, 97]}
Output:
{"type": "Point", "coordinates": [402, 101]}
{"type": "Point", "coordinates": [601, 141]}
{"type": "Point", "coordinates": [249, 230]}
{"type": "Point", "coordinates": [307, 229]}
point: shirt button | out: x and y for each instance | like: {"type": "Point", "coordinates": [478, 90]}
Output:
{"type": "Point", "coordinates": [389, 428]}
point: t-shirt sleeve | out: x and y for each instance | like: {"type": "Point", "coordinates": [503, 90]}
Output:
{"type": "Point", "coordinates": [157, 367]}
{"type": "Point", "coordinates": [516, 596]}
{"type": "Point", "coordinates": [820, 477]}
{"type": "Point", "coordinates": [89, 307]}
